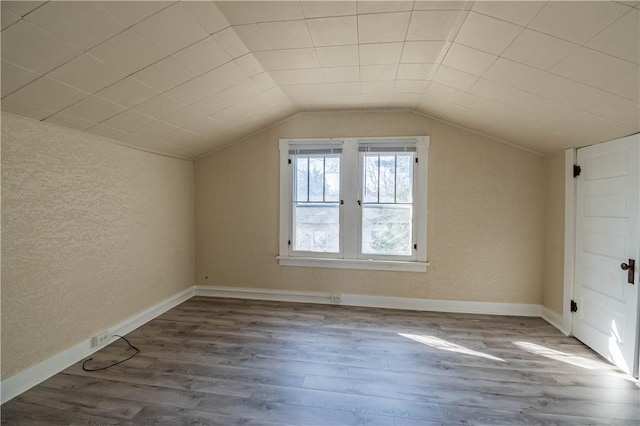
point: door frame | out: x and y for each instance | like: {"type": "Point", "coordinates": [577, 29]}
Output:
{"type": "Point", "coordinates": [570, 194]}
{"type": "Point", "coordinates": [570, 197]}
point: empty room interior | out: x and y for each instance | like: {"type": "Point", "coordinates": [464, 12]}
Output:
{"type": "Point", "coordinates": [320, 212]}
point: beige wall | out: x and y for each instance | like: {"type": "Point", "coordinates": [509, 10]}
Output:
{"type": "Point", "coordinates": [552, 289]}
{"type": "Point", "coordinates": [486, 219]}
{"type": "Point", "coordinates": [92, 233]}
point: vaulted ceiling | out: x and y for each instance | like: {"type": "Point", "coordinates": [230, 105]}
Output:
{"type": "Point", "coordinates": [183, 78]}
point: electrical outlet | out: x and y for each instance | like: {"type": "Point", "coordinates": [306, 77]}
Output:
{"type": "Point", "coordinates": [101, 339]}
{"type": "Point", "coordinates": [335, 298]}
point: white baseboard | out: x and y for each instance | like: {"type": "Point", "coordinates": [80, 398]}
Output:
{"type": "Point", "coordinates": [263, 294]}
{"type": "Point", "coordinates": [518, 309]}
{"type": "Point", "coordinates": [554, 319]}
{"type": "Point", "coordinates": [21, 382]}
{"type": "Point", "coordinates": [438, 305]}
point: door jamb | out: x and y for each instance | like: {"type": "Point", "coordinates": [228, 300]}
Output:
{"type": "Point", "coordinates": [570, 156]}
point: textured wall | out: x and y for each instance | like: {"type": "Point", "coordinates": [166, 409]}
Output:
{"type": "Point", "coordinates": [92, 233]}
{"type": "Point", "coordinates": [486, 220]}
{"type": "Point", "coordinates": [553, 288]}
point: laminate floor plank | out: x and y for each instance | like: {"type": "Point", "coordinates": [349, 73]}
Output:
{"type": "Point", "coordinates": [129, 391]}
{"type": "Point", "coordinates": [293, 413]}
{"type": "Point", "coordinates": [555, 419]}
{"type": "Point", "coordinates": [169, 416]}
{"type": "Point", "coordinates": [176, 381]}
{"type": "Point", "coordinates": [229, 362]}
{"type": "Point", "coordinates": [465, 391]}
{"type": "Point", "coordinates": [349, 402]}
{"type": "Point", "coordinates": [81, 402]}
{"type": "Point", "coordinates": [236, 357]}
{"type": "Point", "coordinates": [19, 413]}
{"type": "Point", "coordinates": [230, 372]}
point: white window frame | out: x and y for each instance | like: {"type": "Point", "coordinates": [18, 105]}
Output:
{"type": "Point", "coordinates": [351, 173]}
{"type": "Point", "coordinates": [311, 144]}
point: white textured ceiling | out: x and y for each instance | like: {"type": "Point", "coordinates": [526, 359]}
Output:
{"type": "Point", "coordinates": [183, 78]}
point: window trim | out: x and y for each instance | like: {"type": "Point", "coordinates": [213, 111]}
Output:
{"type": "Point", "coordinates": [349, 256]}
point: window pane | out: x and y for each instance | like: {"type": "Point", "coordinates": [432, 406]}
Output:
{"type": "Point", "coordinates": [301, 190]}
{"type": "Point", "coordinates": [387, 178]}
{"type": "Point", "coordinates": [332, 179]}
{"type": "Point", "coordinates": [317, 227]}
{"type": "Point", "coordinates": [316, 179]}
{"type": "Point", "coordinates": [370, 190]}
{"type": "Point", "coordinates": [386, 229]}
{"type": "Point", "coordinates": [404, 179]}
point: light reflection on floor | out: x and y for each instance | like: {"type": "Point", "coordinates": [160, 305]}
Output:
{"type": "Point", "coordinates": [532, 348]}
{"type": "Point", "coordinates": [565, 357]}
{"type": "Point", "coordinates": [438, 343]}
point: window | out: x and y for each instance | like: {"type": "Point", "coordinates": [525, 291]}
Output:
{"type": "Point", "coordinates": [316, 202]}
{"type": "Point", "coordinates": [387, 201]}
{"type": "Point", "coordinates": [354, 203]}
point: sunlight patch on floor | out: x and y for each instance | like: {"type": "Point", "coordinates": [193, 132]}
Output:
{"type": "Point", "coordinates": [567, 358]}
{"type": "Point", "coordinates": [443, 345]}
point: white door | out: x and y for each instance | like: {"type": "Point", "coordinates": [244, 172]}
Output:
{"type": "Point", "coordinates": [607, 236]}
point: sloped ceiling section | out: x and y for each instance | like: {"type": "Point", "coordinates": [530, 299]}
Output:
{"type": "Point", "coordinates": [183, 78]}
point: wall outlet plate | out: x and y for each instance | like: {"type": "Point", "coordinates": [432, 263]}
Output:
{"type": "Point", "coordinates": [101, 339]}
{"type": "Point", "coordinates": [335, 298]}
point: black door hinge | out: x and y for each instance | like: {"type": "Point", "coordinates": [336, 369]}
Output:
{"type": "Point", "coordinates": [289, 242]}
{"type": "Point", "coordinates": [289, 160]}
{"type": "Point", "coordinates": [415, 247]}
{"type": "Point", "coordinates": [574, 306]}
{"type": "Point", "coordinates": [576, 170]}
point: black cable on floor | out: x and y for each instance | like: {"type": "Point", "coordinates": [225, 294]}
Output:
{"type": "Point", "coordinates": [115, 363]}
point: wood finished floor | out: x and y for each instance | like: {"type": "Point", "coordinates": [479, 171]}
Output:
{"type": "Point", "coordinates": [242, 362]}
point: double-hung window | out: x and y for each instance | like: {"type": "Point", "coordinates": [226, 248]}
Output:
{"type": "Point", "coordinates": [357, 203]}
{"type": "Point", "coordinates": [315, 206]}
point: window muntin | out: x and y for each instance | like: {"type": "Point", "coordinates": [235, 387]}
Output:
{"type": "Point", "coordinates": [316, 203]}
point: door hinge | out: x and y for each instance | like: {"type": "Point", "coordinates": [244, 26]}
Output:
{"type": "Point", "coordinates": [415, 247]}
{"type": "Point", "coordinates": [289, 242]}
{"type": "Point", "coordinates": [576, 170]}
{"type": "Point", "coordinates": [417, 160]}
{"type": "Point", "coordinates": [289, 160]}
{"type": "Point", "coordinates": [574, 306]}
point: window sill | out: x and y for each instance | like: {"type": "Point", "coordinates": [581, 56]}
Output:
{"type": "Point", "coordinates": [375, 265]}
